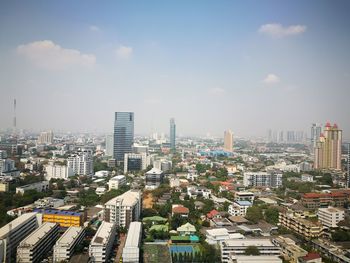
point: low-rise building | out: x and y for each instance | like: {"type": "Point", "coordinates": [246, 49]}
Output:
{"type": "Point", "coordinates": [289, 249]}
{"type": "Point", "coordinates": [179, 210]}
{"type": "Point", "coordinates": [317, 200]}
{"type": "Point", "coordinates": [14, 232]}
{"type": "Point", "coordinates": [116, 182]}
{"type": "Point", "coordinates": [4, 186]}
{"type": "Point", "coordinates": [330, 216]}
{"type": "Point", "coordinates": [198, 191]}
{"type": "Point", "coordinates": [62, 217]}
{"type": "Point", "coordinates": [42, 186]}
{"type": "Point", "coordinates": [244, 196]}
{"type": "Point", "coordinates": [154, 178]}
{"type": "Point", "coordinates": [34, 248]}
{"type": "Point", "coordinates": [239, 208]}
{"type": "Point", "coordinates": [237, 247]}
{"type": "Point", "coordinates": [67, 243]}
{"type": "Point", "coordinates": [254, 259]}
{"type": "Point", "coordinates": [131, 250]}
{"type": "Point", "coordinates": [102, 242]}
{"type": "Point", "coordinates": [135, 162]}
{"type": "Point", "coordinates": [49, 202]}
{"type": "Point", "coordinates": [100, 191]}
{"type": "Point", "coordinates": [186, 229]}
{"type": "Point", "coordinates": [331, 250]}
{"type": "Point", "coordinates": [307, 178]}
{"type": "Point", "coordinates": [300, 225]}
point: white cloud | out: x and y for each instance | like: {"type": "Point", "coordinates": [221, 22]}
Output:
{"type": "Point", "coordinates": [124, 52]}
{"type": "Point", "coordinates": [277, 30]}
{"type": "Point", "coordinates": [48, 55]}
{"type": "Point", "coordinates": [94, 28]}
{"type": "Point", "coordinates": [216, 91]}
{"type": "Point", "coordinates": [271, 79]}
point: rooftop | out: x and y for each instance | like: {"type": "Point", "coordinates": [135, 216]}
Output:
{"type": "Point", "coordinates": [38, 234]}
{"type": "Point", "coordinates": [69, 236]}
{"type": "Point", "coordinates": [154, 171]}
{"type": "Point", "coordinates": [103, 233]}
{"type": "Point", "coordinates": [15, 223]}
{"type": "Point", "coordinates": [129, 198]}
{"type": "Point", "coordinates": [244, 203]}
{"type": "Point", "coordinates": [57, 212]}
{"type": "Point", "coordinates": [133, 237]}
{"type": "Point", "coordinates": [117, 178]}
{"type": "Point", "coordinates": [249, 242]}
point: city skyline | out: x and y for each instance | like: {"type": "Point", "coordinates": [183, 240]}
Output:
{"type": "Point", "coordinates": [212, 59]}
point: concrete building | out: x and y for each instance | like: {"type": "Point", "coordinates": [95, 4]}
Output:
{"type": "Point", "coordinates": [49, 202]}
{"type": "Point", "coordinates": [42, 186]}
{"type": "Point", "coordinates": [123, 137]}
{"type": "Point", "coordinates": [101, 244]}
{"type": "Point", "coordinates": [237, 247]}
{"type": "Point", "coordinates": [228, 141]}
{"type": "Point", "coordinates": [45, 138]}
{"type": "Point", "coordinates": [35, 247]}
{"type": "Point", "coordinates": [317, 200]}
{"type": "Point", "coordinates": [131, 250]}
{"type": "Point", "coordinates": [8, 168]}
{"type": "Point", "coordinates": [307, 178]}
{"type": "Point", "coordinates": [290, 251]}
{"type": "Point", "coordinates": [330, 216]}
{"type": "Point", "coordinates": [58, 171]}
{"type": "Point", "coordinates": [14, 232]}
{"type": "Point", "coordinates": [239, 208]}
{"type": "Point", "coordinates": [254, 259]}
{"type": "Point", "coordinates": [163, 164]}
{"type": "Point", "coordinates": [153, 178]}
{"type": "Point", "coordinates": [124, 208]}
{"type": "Point", "coordinates": [198, 191]}
{"type": "Point", "coordinates": [300, 225]}
{"type": "Point", "coordinates": [67, 243]}
{"type": "Point", "coordinates": [4, 186]}
{"type": "Point", "coordinates": [244, 196]}
{"type": "Point", "coordinates": [328, 148]}
{"type": "Point", "coordinates": [81, 163]}
{"type": "Point", "coordinates": [172, 134]}
{"type": "Point", "coordinates": [135, 162]}
{"type": "Point", "coordinates": [262, 179]}
{"type": "Point", "coordinates": [109, 145]}
{"type": "Point", "coordinates": [61, 217]}
{"type": "Point", "coordinates": [316, 130]}
{"type": "Point", "coordinates": [116, 182]}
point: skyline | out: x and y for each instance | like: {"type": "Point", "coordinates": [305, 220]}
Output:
{"type": "Point", "coordinates": [210, 66]}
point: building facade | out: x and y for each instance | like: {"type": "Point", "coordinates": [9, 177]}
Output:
{"type": "Point", "coordinates": [153, 178]}
{"type": "Point", "coordinates": [228, 141]}
{"type": "Point", "coordinates": [81, 163]}
{"type": "Point", "coordinates": [172, 134]}
{"type": "Point", "coordinates": [330, 216]}
{"type": "Point", "coordinates": [135, 162]}
{"type": "Point", "coordinates": [262, 179]}
{"type": "Point", "coordinates": [131, 250]}
{"type": "Point", "coordinates": [45, 137]}
{"type": "Point", "coordinates": [116, 182]}
{"type": "Point", "coordinates": [317, 200]}
{"type": "Point", "coordinates": [61, 217]}
{"type": "Point", "coordinates": [123, 135]}
{"type": "Point", "coordinates": [42, 186]}
{"type": "Point", "coordinates": [58, 171]}
{"type": "Point", "coordinates": [124, 208]}
{"type": "Point", "coordinates": [109, 144]}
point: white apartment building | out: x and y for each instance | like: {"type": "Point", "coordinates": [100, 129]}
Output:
{"type": "Point", "coordinates": [131, 250]}
{"type": "Point", "coordinates": [109, 144]}
{"type": "Point", "coordinates": [239, 208]}
{"type": "Point", "coordinates": [217, 235]}
{"type": "Point", "coordinates": [81, 163]}
{"type": "Point", "coordinates": [135, 162]}
{"type": "Point", "coordinates": [101, 244]}
{"type": "Point", "coordinates": [124, 208]}
{"type": "Point", "coordinates": [35, 247]}
{"type": "Point", "coordinates": [8, 168]}
{"type": "Point", "coordinates": [14, 232]}
{"type": "Point", "coordinates": [307, 178]}
{"type": "Point", "coordinates": [58, 171]}
{"type": "Point", "coordinates": [42, 186]}
{"type": "Point", "coordinates": [262, 179]}
{"type": "Point", "coordinates": [198, 191]}
{"type": "Point", "coordinates": [237, 247]}
{"type": "Point", "coordinates": [45, 138]}
{"type": "Point", "coordinates": [330, 216]}
{"type": "Point", "coordinates": [66, 244]}
{"type": "Point", "coordinates": [244, 196]}
{"type": "Point", "coordinates": [116, 182]}
{"type": "Point", "coordinates": [153, 178]}
{"type": "Point", "coordinates": [49, 202]}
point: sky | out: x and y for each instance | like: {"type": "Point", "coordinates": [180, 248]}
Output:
{"type": "Point", "coordinates": [248, 66]}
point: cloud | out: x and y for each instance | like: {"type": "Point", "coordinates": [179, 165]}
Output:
{"type": "Point", "coordinates": [216, 91]}
{"type": "Point", "coordinates": [277, 30]}
{"type": "Point", "coordinates": [124, 52]}
{"type": "Point", "coordinates": [94, 28]}
{"type": "Point", "coordinates": [271, 79]}
{"type": "Point", "coordinates": [48, 55]}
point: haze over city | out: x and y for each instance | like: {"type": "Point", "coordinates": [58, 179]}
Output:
{"type": "Point", "coordinates": [247, 66]}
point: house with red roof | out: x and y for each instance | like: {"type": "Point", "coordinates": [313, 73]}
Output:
{"type": "Point", "coordinates": [213, 214]}
{"type": "Point", "coordinates": [179, 210]}
{"type": "Point", "coordinates": [311, 258]}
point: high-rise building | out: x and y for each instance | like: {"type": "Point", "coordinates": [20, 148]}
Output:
{"type": "Point", "coordinates": [262, 179]}
{"type": "Point", "coordinates": [45, 138]}
{"type": "Point", "coordinates": [348, 173]}
{"type": "Point", "coordinates": [58, 171]}
{"type": "Point", "coordinates": [172, 134]}
{"type": "Point", "coordinates": [81, 163]}
{"type": "Point", "coordinates": [281, 137]}
{"type": "Point", "coordinates": [228, 141]}
{"type": "Point", "coordinates": [328, 148]}
{"type": "Point", "coordinates": [290, 136]}
{"type": "Point", "coordinates": [316, 130]}
{"type": "Point", "coordinates": [135, 162]}
{"type": "Point", "coordinates": [123, 135]}
{"type": "Point", "coordinates": [109, 144]}
{"type": "Point", "coordinates": [124, 208]}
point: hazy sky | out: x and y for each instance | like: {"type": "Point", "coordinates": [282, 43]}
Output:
{"type": "Point", "coordinates": [212, 65]}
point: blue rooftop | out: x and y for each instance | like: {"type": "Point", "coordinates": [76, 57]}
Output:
{"type": "Point", "coordinates": [57, 212]}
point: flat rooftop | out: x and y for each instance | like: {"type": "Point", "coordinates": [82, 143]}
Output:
{"type": "Point", "coordinates": [38, 234]}
{"type": "Point", "coordinates": [103, 234]}
{"type": "Point", "coordinates": [71, 234]}
{"type": "Point", "coordinates": [249, 242]}
{"type": "Point", "coordinates": [133, 237]}
{"type": "Point", "coordinates": [15, 223]}
{"type": "Point", "coordinates": [129, 198]}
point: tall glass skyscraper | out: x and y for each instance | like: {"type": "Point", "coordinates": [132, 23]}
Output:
{"type": "Point", "coordinates": [172, 134]}
{"type": "Point", "coordinates": [123, 134]}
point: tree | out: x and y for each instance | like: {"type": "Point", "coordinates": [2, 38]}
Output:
{"type": "Point", "coordinates": [271, 215]}
{"type": "Point", "coordinates": [252, 250]}
{"type": "Point", "coordinates": [254, 214]}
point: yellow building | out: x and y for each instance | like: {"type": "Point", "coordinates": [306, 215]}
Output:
{"type": "Point", "coordinates": [300, 225]}
{"type": "Point", "coordinates": [4, 186]}
{"type": "Point", "coordinates": [228, 141]}
{"type": "Point", "coordinates": [63, 218]}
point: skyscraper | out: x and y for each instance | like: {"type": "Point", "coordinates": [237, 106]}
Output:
{"type": "Point", "coordinates": [316, 130]}
{"type": "Point", "coordinates": [328, 148]}
{"type": "Point", "coordinates": [172, 134]}
{"type": "Point", "coordinates": [348, 166]}
{"type": "Point", "coordinates": [123, 134]}
{"type": "Point", "coordinates": [109, 144]}
{"type": "Point", "coordinates": [228, 141]}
